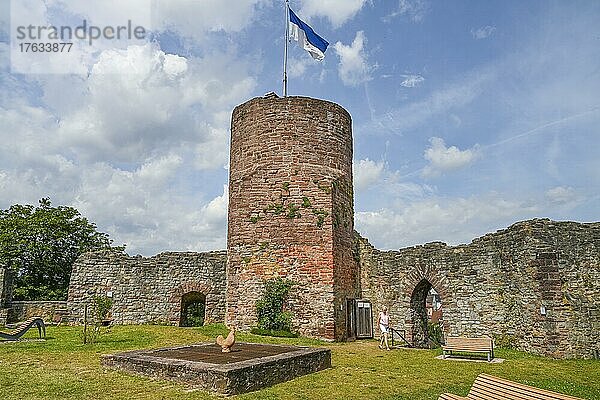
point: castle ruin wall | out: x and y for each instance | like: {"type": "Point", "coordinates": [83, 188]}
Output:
{"type": "Point", "coordinates": [534, 286]}
{"type": "Point", "coordinates": [149, 289]}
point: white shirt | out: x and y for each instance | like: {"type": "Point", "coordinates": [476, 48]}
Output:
{"type": "Point", "coordinates": [384, 319]}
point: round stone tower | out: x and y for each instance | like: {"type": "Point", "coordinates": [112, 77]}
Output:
{"type": "Point", "coordinates": [291, 211]}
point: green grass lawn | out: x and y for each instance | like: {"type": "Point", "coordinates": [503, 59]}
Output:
{"type": "Point", "coordinates": [63, 368]}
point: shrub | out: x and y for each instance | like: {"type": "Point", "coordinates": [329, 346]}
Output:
{"type": "Point", "coordinates": [99, 313]}
{"type": "Point", "coordinates": [101, 307]}
{"type": "Point", "coordinates": [435, 333]}
{"type": "Point", "coordinates": [269, 308]}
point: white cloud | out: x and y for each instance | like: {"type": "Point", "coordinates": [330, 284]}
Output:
{"type": "Point", "coordinates": [337, 11]}
{"type": "Point", "coordinates": [82, 54]}
{"type": "Point", "coordinates": [216, 210]}
{"type": "Point", "coordinates": [142, 209]}
{"type": "Point", "coordinates": [195, 18]}
{"type": "Point", "coordinates": [413, 9]}
{"type": "Point", "coordinates": [353, 68]}
{"type": "Point", "coordinates": [442, 158]}
{"type": "Point", "coordinates": [192, 21]}
{"type": "Point", "coordinates": [189, 18]}
{"type": "Point", "coordinates": [453, 221]}
{"type": "Point", "coordinates": [367, 172]}
{"type": "Point", "coordinates": [440, 102]}
{"type": "Point", "coordinates": [128, 143]}
{"type": "Point", "coordinates": [297, 67]}
{"type": "Point", "coordinates": [126, 115]}
{"type": "Point", "coordinates": [483, 32]}
{"type": "Point", "coordinates": [561, 195]}
{"type": "Point", "coordinates": [165, 102]}
{"type": "Point", "coordinates": [157, 172]}
{"type": "Point", "coordinates": [24, 149]}
{"type": "Point", "coordinates": [411, 81]}
{"type": "Point", "coordinates": [102, 12]}
{"type": "Point", "coordinates": [376, 183]}
{"type": "Point", "coordinates": [213, 151]}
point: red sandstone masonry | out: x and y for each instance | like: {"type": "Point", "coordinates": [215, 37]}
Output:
{"type": "Point", "coordinates": [291, 210]}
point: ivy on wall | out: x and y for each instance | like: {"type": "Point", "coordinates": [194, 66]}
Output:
{"type": "Point", "coordinates": [292, 210]}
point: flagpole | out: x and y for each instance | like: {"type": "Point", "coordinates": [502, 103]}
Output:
{"type": "Point", "coordinates": [285, 50]}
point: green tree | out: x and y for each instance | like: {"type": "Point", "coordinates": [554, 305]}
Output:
{"type": "Point", "coordinates": [40, 244]}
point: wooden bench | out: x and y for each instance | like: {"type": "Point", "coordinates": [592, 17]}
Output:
{"type": "Point", "coordinates": [469, 345]}
{"type": "Point", "coordinates": [487, 387]}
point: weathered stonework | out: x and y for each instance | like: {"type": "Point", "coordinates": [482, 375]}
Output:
{"type": "Point", "coordinates": [291, 211]}
{"type": "Point", "coordinates": [269, 365]}
{"type": "Point", "coordinates": [149, 290]}
{"type": "Point", "coordinates": [535, 285]}
{"type": "Point", "coordinates": [49, 311]}
{"type": "Point", "coordinates": [499, 285]}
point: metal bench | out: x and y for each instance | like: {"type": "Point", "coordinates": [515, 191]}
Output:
{"type": "Point", "coordinates": [469, 345]}
{"type": "Point", "coordinates": [24, 327]}
{"type": "Point", "coordinates": [487, 387]}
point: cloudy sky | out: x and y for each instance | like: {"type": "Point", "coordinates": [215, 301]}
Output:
{"type": "Point", "coordinates": [468, 115]}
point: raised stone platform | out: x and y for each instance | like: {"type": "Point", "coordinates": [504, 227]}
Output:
{"type": "Point", "coordinates": [248, 367]}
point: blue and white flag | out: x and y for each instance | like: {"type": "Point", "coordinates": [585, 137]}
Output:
{"type": "Point", "coordinates": [307, 38]}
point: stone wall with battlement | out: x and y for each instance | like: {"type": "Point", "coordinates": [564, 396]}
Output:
{"type": "Point", "coordinates": [534, 286]}
{"type": "Point", "coordinates": [291, 211]}
{"type": "Point", "coordinates": [149, 290]}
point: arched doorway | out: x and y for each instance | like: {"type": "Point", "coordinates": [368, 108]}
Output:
{"type": "Point", "coordinates": [426, 315]}
{"type": "Point", "coordinates": [193, 309]}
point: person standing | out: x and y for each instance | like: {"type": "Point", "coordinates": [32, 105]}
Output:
{"type": "Point", "coordinates": [384, 326]}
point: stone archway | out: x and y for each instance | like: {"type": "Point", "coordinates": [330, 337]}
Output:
{"type": "Point", "coordinates": [193, 309]}
{"type": "Point", "coordinates": [190, 292]}
{"type": "Point", "coordinates": [423, 282]}
{"type": "Point", "coordinates": [418, 313]}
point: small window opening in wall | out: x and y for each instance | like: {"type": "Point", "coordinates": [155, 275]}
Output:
{"type": "Point", "coordinates": [193, 309]}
